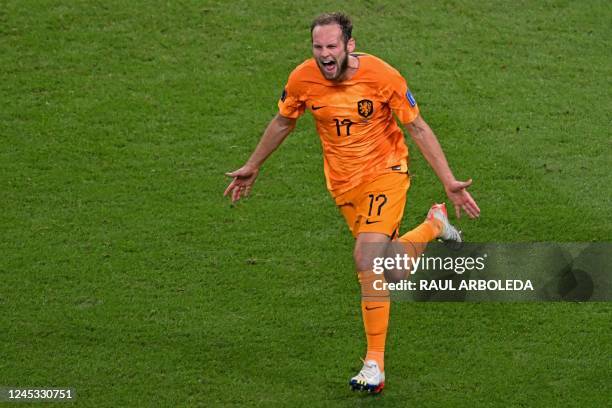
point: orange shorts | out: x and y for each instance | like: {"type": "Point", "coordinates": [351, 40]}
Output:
{"type": "Point", "coordinates": [376, 206]}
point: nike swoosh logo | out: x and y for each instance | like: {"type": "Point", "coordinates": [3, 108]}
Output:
{"type": "Point", "coordinates": [372, 308]}
{"type": "Point", "coordinates": [317, 107]}
{"type": "Point", "coordinates": [371, 222]}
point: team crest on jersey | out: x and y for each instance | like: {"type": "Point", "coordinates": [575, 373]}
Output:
{"type": "Point", "coordinates": [365, 107]}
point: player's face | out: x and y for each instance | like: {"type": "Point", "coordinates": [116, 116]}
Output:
{"type": "Point", "coordinates": [330, 51]}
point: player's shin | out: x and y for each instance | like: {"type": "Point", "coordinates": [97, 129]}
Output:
{"type": "Point", "coordinates": [375, 307]}
{"type": "Point", "coordinates": [415, 241]}
{"type": "Point", "coordinates": [421, 235]}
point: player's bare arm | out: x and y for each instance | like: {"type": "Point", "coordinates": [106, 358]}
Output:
{"type": "Point", "coordinates": [244, 178]}
{"type": "Point", "coordinates": [456, 190]}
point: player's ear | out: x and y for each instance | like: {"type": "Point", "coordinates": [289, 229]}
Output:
{"type": "Point", "coordinates": [350, 45]}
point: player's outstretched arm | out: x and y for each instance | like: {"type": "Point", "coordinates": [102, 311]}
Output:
{"type": "Point", "coordinates": [456, 190]}
{"type": "Point", "coordinates": [244, 178]}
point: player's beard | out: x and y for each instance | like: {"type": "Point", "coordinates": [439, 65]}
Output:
{"type": "Point", "coordinates": [341, 67]}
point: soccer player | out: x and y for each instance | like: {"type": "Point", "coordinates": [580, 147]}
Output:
{"type": "Point", "coordinates": [353, 98]}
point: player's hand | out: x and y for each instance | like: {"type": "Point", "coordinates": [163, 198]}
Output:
{"type": "Point", "coordinates": [462, 200]}
{"type": "Point", "coordinates": [244, 178]}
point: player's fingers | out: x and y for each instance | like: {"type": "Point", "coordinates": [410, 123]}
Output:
{"type": "Point", "coordinates": [236, 195]}
{"type": "Point", "coordinates": [457, 211]}
{"type": "Point", "coordinates": [474, 208]}
{"type": "Point", "coordinates": [229, 188]}
{"type": "Point", "coordinates": [242, 191]}
{"type": "Point", "coordinates": [469, 211]}
{"type": "Point", "coordinates": [247, 191]}
{"type": "Point", "coordinates": [235, 184]}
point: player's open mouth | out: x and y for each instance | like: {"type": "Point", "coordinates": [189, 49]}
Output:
{"type": "Point", "coordinates": [329, 66]}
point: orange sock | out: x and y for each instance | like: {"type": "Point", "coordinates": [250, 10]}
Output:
{"type": "Point", "coordinates": [375, 321]}
{"type": "Point", "coordinates": [375, 307]}
{"type": "Point", "coordinates": [426, 232]}
{"type": "Point", "coordinates": [415, 241]}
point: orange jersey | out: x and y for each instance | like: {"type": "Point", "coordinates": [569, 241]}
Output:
{"type": "Point", "coordinates": [354, 119]}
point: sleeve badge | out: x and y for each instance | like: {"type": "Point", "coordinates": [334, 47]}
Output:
{"type": "Point", "coordinates": [410, 98]}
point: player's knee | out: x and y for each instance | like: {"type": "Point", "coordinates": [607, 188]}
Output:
{"type": "Point", "coordinates": [363, 259]}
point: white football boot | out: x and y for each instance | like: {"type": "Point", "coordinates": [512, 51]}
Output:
{"type": "Point", "coordinates": [449, 233]}
{"type": "Point", "coordinates": [369, 379]}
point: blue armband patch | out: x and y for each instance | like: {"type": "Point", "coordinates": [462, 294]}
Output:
{"type": "Point", "coordinates": [410, 98]}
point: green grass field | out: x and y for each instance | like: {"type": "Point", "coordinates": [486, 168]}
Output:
{"type": "Point", "coordinates": [126, 275]}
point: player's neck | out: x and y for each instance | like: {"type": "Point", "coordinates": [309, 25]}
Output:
{"type": "Point", "coordinates": [351, 69]}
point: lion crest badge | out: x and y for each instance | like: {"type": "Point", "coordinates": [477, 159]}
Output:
{"type": "Point", "coordinates": [365, 107]}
